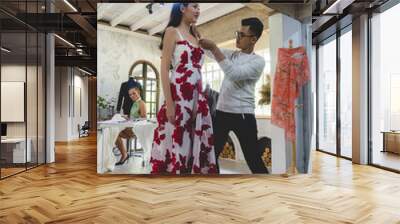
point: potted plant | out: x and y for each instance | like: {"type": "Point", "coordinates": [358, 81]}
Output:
{"type": "Point", "coordinates": [265, 92]}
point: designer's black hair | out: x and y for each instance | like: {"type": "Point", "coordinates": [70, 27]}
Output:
{"type": "Point", "coordinates": [256, 26]}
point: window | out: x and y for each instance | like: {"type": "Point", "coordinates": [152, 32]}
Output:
{"type": "Point", "coordinates": [346, 74]}
{"type": "Point", "coordinates": [394, 102]}
{"type": "Point", "coordinates": [327, 97]}
{"type": "Point", "coordinates": [385, 89]}
{"type": "Point", "coordinates": [334, 103]}
{"type": "Point", "coordinates": [147, 75]}
{"type": "Point", "coordinates": [212, 75]}
{"type": "Point", "coordinates": [22, 69]}
{"type": "Point", "coordinates": [263, 110]}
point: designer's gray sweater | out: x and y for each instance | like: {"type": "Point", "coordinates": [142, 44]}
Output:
{"type": "Point", "coordinates": [242, 71]}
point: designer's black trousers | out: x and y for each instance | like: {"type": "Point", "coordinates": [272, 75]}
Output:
{"type": "Point", "coordinates": [245, 128]}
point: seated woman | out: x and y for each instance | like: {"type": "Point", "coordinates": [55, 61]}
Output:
{"type": "Point", "coordinates": [138, 110]}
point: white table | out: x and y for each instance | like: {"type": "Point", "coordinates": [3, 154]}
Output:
{"type": "Point", "coordinates": [108, 132]}
{"type": "Point", "coordinates": [18, 150]}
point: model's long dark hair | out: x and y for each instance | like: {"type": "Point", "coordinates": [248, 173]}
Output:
{"type": "Point", "coordinates": [175, 19]}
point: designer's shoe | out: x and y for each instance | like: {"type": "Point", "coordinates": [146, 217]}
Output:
{"type": "Point", "coordinates": [121, 162]}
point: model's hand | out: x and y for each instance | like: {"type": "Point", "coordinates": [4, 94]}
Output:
{"type": "Point", "coordinates": [207, 44]}
{"type": "Point", "coordinates": [171, 113]}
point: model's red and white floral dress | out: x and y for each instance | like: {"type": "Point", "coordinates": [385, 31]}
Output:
{"type": "Point", "coordinates": [186, 146]}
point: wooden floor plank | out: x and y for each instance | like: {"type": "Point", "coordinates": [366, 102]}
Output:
{"type": "Point", "coordinates": [70, 191]}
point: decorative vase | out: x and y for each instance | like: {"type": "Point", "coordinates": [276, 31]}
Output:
{"type": "Point", "coordinates": [103, 114]}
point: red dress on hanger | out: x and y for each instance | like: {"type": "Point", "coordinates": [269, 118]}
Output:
{"type": "Point", "coordinates": [292, 72]}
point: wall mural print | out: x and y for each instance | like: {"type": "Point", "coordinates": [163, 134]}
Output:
{"type": "Point", "coordinates": [188, 88]}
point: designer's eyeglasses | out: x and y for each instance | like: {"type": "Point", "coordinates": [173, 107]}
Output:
{"type": "Point", "coordinates": [239, 35]}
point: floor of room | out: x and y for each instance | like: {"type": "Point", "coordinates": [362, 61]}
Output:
{"type": "Point", "coordinates": [70, 191]}
{"type": "Point", "coordinates": [387, 159]}
{"type": "Point", "coordinates": [135, 165]}
{"type": "Point", "coordinates": [10, 171]}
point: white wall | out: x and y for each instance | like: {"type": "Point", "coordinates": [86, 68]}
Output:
{"type": "Point", "coordinates": [80, 118]}
{"type": "Point", "coordinates": [61, 103]}
{"type": "Point", "coordinates": [67, 81]}
{"type": "Point", "coordinates": [118, 51]}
